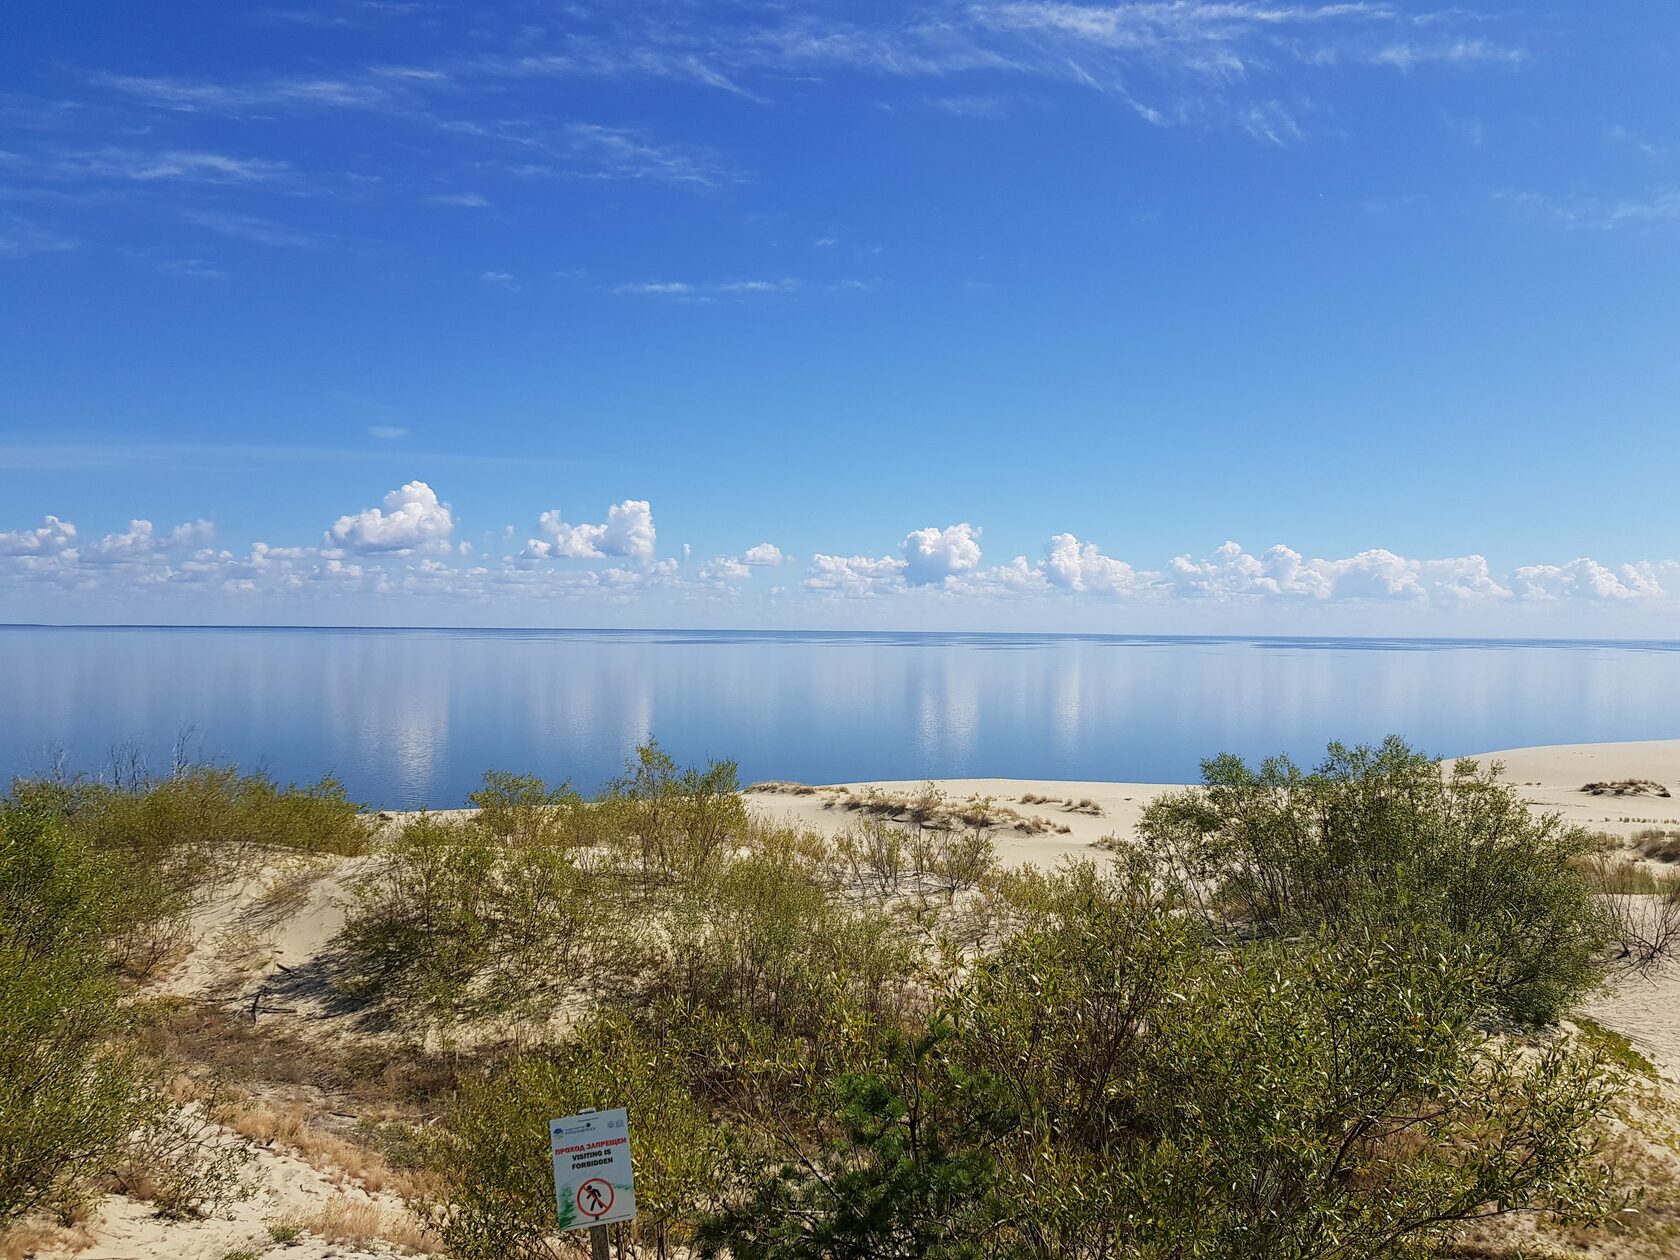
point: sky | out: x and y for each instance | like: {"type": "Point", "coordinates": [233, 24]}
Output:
{"type": "Point", "coordinates": [1269, 317]}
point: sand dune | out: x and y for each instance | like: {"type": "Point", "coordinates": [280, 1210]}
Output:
{"type": "Point", "coordinates": [1037, 821]}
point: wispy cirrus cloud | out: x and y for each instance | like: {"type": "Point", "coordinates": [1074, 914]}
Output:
{"type": "Point", "coordinates": [367, 90]}
{"type": "Point", "coordinates": [252, 228]}
{"type": "Point", "coordinates": [146, 166]}
{"type": "Point", "coordinates": [22, 238]}
{"type": "Point", "coordinates": [1170, 62]}
{"type": "Point", "coordinates": [582, 150]}
{"type": "Point", "coordinates": [1604, 213]}
{"type": "Point", "coordinates": [698, 291]}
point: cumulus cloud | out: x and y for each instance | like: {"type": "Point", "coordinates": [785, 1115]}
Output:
{"type": "Point", "coordinates": [1587, 579]}
{"type": "Point", "coordinates": [853, 575]}
{"type": "Point", "coordinates": [628, 533]}
{"type": "Point", "coordinates": [1376, 574]}
{"type": "Point", "coordinates": [932, 555]}
{"type": "Point", "coordinates": [142, 539]}
{"type": "Point", "coordinates": [725, 569]}
{"type": "Point", "coordinates": [1076, 566]}
{"type": "Point", "coordinates": [53, 536]}
{"type": "Point", "coordinates": [404, 547]}
{"type": "Point", "coordinates": [412, 517]}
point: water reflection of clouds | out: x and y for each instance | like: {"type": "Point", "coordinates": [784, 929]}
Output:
{"type": "Point", "coordinates": [409, 718]}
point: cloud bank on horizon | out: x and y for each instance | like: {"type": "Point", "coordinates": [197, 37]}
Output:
{"type": "Point", "coordinates": [999, 313]}
{"type": "Point", "coordinates": [405, 553]}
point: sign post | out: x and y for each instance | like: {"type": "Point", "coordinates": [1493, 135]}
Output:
{"type": "Point", "coordinates": [593, 1184]}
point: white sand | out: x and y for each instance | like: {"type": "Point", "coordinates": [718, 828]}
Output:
{"type": "Point", "coordinates": [1121, 804]}
{"type": "Point", "coordinates": [1551, 777]}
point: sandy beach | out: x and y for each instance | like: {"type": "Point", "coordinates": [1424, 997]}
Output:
{"type": "Point", "coordinates": [1550, 777]}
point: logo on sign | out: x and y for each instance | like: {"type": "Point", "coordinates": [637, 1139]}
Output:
{"type": "Point", "coordinates": [595, 1197]}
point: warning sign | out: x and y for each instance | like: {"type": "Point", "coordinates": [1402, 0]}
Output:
{"type": "Point", "coordinates": [595, 1198]}
{"type": "Point", "coordinates": [593, 1184]}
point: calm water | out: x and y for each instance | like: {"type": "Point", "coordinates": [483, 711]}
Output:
{"type": "Point", "coordinates": [414, 716]}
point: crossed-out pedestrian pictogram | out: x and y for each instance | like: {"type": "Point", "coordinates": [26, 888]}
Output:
{"type": "Point", "coordinates": [595, 1197]}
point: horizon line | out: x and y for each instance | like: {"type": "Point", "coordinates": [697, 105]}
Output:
{"type": "Point", "coordinates": [858, 633]}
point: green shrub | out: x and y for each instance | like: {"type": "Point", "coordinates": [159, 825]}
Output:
{"type": "Point", "coordinates": [1378, 840]}
{"type": "Point", "coordinates": [522, 809]}
{"type": "Point", "coordinates": [491, 1155]}
{"type": "Point", "coordinates": [678, 821]}
{"type": "Point", "coordinates": [284, 1231]}
{"type": "Point", "coordinates": [177, 838]}
{"type": "Point", "coordinates": [912, 1172]}
{"type": "Point", "coordinates": [69, 1096]}
{"type": "Point", "coordinates": [762, 940]}
{"type": "Point", "coordinates": [1115, 1081]}
{"type": "Point", "coordinates": [452, 924]}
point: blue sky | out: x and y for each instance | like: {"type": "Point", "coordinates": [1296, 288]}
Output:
{"type": "Point", "coordinates": [1227, 317]}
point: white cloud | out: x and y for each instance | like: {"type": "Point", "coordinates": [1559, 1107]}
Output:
{"type": "Point", "coordinates": [1662, 207]}
{"type": "Point", "coordinates": [724, 569]}
{"type": "Point", "coordinates": [701, 292]}
{"type": "Point", "coordinates": [932, 555]}
{"type": "Point", "coordinates": [628, 532]}
{"type": "Point", "coordinates": [173, 165]}
{"type": "Point", "coordinates": [142, 539]}
{"type": "Point", "coordinates": [404, 548]}
{"type": "Point", "coordinates": [1375, 574]}
{"type": "Point", "coordinates": [1076, 566]}
{"type": "Point", "coordinates": [658, 288]}
{"type": "Point", "coordinates": [248, 227]}
{"type": "Point", "coordinates": [19, 238]}
{"type": "Point", "coordinates": [52, 537]}
{"type": "Point", "coordinates": [853, 575]}
{"type": "Point", "coordinates": [412, 517]}
{"type": "Point", "coordinates": [1587, 579]}
{"type": "Point", "coordinates": [386, 432]}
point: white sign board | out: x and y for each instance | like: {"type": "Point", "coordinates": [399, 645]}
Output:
{"type": "Point", "coordinates": [592, 1180]}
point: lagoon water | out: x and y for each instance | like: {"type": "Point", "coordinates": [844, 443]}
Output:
{"type": "Point", "coordinates": [412, 717]}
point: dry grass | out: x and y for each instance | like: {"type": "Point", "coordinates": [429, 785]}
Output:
{"type": "Point", "coordinates": [778, 787]}
{"type": "Point", "coordinates": [31, 1238]}
{"type": "Point", "coordinates": [358, 1222]}
{"type": "Point", "coordinates": [931, 809]}
{"type": "Point", "coordinates": [1658, 844]}
{"type": "Point", "coordinates": [1625, 787]}
{"type": "Point", "coordinates": [1084, 805]}
{"type": "Point", "coordinates": [295, 1127]}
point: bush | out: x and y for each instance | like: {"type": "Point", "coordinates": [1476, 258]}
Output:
{"type": "Point", "coordinates": [680, 821]}
{"type": "Point", "coordinates": [491, 1155]}
{"type": "Point", "coordinates": [451, 924]}
{"type": "Point", "coordinates": [522, 809]}
{"type": "Point", "coordinates": [176, 838]}
{"type": "Point", "coordinates": [69, 1098]}
{"type": "Point", "coordinates": [914, 1172]}
{"type": "Point", "coordinates": [1658, 843]}
{"type": "Point", "coordinates": [1115, 1081]}
{"type": "Point", "coordinates": [1379, 840]}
